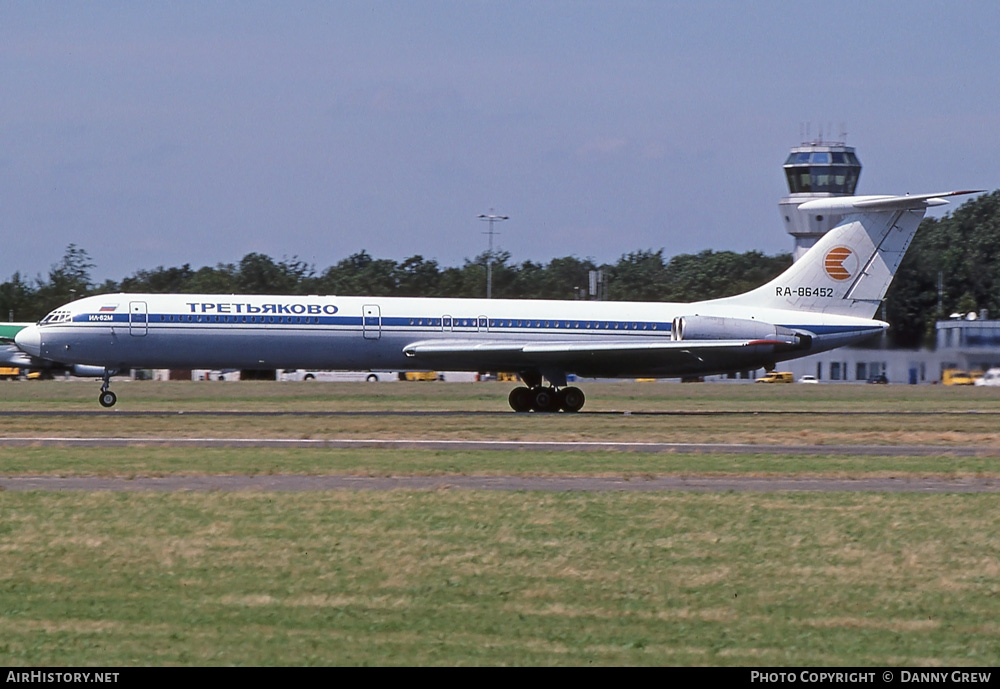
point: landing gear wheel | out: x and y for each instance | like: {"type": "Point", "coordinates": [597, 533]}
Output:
{"type": "Point", "coordinates": [571, 399]}
{"type": "Point", "coordinates": [544, 399]}
{"type": "Point", "coordinates": [107, 398]}
{"type": "Point", "coordinates": [520, 399]}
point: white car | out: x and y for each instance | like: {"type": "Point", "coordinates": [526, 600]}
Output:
{"type": "Point", "coordinates": [808, 379]}
{"type": "Point", "coordinates": [301, 374]}
{"type": "Point", "coordinates": [990, 378]}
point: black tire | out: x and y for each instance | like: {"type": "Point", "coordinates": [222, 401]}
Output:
{"type": "Point", "coordinates": [571, 399]}
{"type": "Point", "coordinates": [544, 400]}
{"type": "Point", "coordinates": [309, 376]}
{"type": "Point", "coordinates": [372, 378]}
{"type": "Point", "coordinates": [107, 399]}
{"type": "Point", "coordinates": [520, 400]}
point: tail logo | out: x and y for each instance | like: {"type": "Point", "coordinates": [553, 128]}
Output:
{"type": "Point", "coordinates": [840, 263]}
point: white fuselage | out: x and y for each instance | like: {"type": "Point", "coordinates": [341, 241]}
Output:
{"type": "Point", "coordinates": [120, 331]}
{"type": "Point", "coordinates": [822, 301]}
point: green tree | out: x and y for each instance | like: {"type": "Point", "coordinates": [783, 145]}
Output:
{"type": "Point", "coordinates": [564, 278]}
{"type": "Point", "coordinates": [160, 280]}
{"type": "Point", "coordinates": [711, 274]}
{"type": "Point", "coordinates": [963, 251]}
{"type": "Point", "coordinates": [259, 274]}
{"type": "Point", "coordinates": [638, 276]}
{"type": "Point", "coordinates": [17, 300]}
{"type": "Point", "coordinates": [416, 277]}
{"type": "Point", "coordinates": [504, 275]}
{"type": "Point", "coordinates": [218, 280]}
{"type": "Point", "coordinates": [68, 280]}
{"type": "Point", "coordinates": [360, 274]}
{"type": "Point", "coordinates": [71, 275]}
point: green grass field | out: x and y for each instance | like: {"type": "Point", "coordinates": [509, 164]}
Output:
{"type": "Point", "coordinates": [461, 578]}
{"type": "Point", "coordinates": [450, 577]}
{"type": "Point", "coordinates": [769, 414]}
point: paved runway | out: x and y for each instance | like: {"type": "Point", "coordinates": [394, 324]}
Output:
{"type": "Point", "coordinates": [514, 446]}
{"type": "Point", "coordinates": [507, 413]}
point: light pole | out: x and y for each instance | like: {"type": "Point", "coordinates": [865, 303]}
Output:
{"type": "Point", "coordinates": [491, 219]}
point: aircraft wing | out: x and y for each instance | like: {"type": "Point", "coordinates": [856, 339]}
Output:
{"type": "Point", "coordinates": [452, 347]}
{"type": "Point", "coordinates": [585, 358]}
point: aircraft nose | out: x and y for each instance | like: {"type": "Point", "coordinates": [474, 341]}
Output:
{"type": "Point", "coordinates": [29, 340]}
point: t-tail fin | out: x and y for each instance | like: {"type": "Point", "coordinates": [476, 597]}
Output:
{"type": "Point", "coordinates": [848, 271]}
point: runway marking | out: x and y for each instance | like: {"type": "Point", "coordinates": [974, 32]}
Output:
{"type": "Point", "coordinates": [506, 413]}
{"type": "Point", "coordinates": [512, 445]}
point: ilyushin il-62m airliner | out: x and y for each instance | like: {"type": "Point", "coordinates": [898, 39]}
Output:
{"type": "Point", "coordinates": [824, 300]}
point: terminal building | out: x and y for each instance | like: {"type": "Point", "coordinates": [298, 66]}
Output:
{"type": "Point", "coordinates": [970, 342]}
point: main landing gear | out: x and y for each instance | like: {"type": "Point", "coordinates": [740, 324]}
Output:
{"type": "Point", "coordinates": [107, 398]}
{"type": "Point", "coordinates": [546, 399]}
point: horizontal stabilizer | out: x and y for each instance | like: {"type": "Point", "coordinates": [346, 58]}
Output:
{"type": "Point", "coordinates": [847, 204]}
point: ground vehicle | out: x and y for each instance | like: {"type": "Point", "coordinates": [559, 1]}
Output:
{"type": "Point", "coordinates": [501, 376]}
{"type": "Point", "coordinates": [297, 374]}
{"type": "Point", "coordinates": [778, 377]}
{"type": "Point", "coordinates": [14, 373]}
{"type": "Point", "coordinates": [420, 375]}
{"type": "Point", "coordinates": [989, 379]}
{"type": "Point", "coordinates": [879, 379]}
{"type": "Point", "coordinates": [216, 374]}
{"type": "Point", "coordinates": [808, 379]}
{"type": "Point", "coordinates": [955, 376]}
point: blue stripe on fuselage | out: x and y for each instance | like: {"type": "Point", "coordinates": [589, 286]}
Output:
{"type": "Point", "coordinates": [428, 324]}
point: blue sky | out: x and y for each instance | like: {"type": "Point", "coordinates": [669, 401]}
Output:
{"type": "Point", "coordinates": [157, 134]}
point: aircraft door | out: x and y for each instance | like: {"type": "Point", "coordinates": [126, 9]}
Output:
{"type": "Point", "coordinates": [138, 319]}
{"type": "Point", "coordinates": [371, 321]}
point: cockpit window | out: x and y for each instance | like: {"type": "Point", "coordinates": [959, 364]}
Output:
{"type": "Point", "coordinates": [57, 316]}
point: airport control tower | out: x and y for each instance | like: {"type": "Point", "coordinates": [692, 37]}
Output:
{"type": "Point", "coordinates": [816, 170]}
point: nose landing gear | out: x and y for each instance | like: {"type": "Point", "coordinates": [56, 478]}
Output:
{"type": "Point", "coordinates": [107, 398]}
